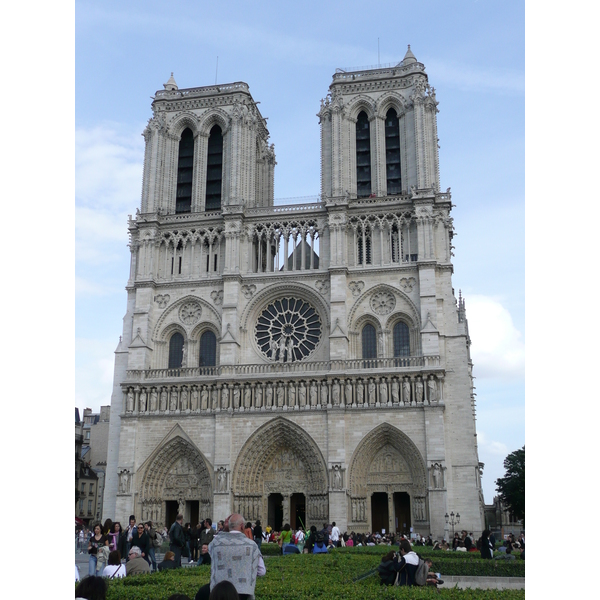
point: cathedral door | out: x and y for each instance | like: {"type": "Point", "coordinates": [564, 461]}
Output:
{"type": "Point", "coordinates": [171, 510]}
{"type": "Point", "coordinates": [193, 512]}
{"type": "Point", "coordinates": [298, 511]}
{"type": "Point", "coordinates": [275, 519]}
{"type": "Point", "coordinates": [379, 512]}
{"type": "Point", "coordinates": [402, 510]}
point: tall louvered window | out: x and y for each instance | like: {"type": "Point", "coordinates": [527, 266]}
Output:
{"type": "Point", "coordinates": [214, 169]}
{"type": "Point", "coordinates": [392, 153]}
{"type": "Point", "coordinates": [369, 345]}
{"type": "Point", "coordinates": [401, 339]}
{"type": "Point", "coordinates": [208, 349]}
{"type": "Point", "coordinates": [176, 351]}
{"type": "Point", "coordinates": [363, 156]}
{"type": "Point", "coordinates": [185, 172]}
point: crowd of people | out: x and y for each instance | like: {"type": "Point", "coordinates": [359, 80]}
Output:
{"type": "Point", "coordinates": [116, 552]}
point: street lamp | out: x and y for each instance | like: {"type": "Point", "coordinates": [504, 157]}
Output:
{"type": "Point", "coordinates": [452, 520]}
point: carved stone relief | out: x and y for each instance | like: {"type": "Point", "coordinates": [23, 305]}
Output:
{"type": "Point", "coordinates": [190, 313]}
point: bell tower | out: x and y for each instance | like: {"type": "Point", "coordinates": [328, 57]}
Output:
{"type": "Point", "coordinates": [379, 132]}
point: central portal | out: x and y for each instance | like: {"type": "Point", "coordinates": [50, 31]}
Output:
{"type": "Point", "coordinates": [298, 511]}
{"type": "Point", "coordinates": [379, 512]}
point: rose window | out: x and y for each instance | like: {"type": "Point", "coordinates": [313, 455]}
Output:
{"type": "Point", "coordinates": [383, 303]}
{"type": "Point", "coordinates": [288, 330]}
{"type": "Point", "coordinates": [190, 313]}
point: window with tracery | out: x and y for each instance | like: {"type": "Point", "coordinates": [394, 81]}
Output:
{"type": "Point", "coordinates": [176, 351]}
{"type": "Point", "coordinates": [392, 153]}
{"type": "Point", "coordinates": [288, 330]}
{"type": "Point", "coordinates": [185, 172]}
{"type": "Point", "coordinates": [363, 156]}
{"type": "Point", "coordinates": [214, 169]}
{"type": "Point", "coordinates": [208, 349]}
{"type": "Point", "coordinates": [369, 342]}
{"type": "Point", "coordinates": [401, 339]}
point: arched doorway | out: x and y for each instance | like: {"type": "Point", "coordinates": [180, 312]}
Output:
{"type": "Point", "coordinates": [387, 481]}
{"type": "Point", "coordinates": [175, 479]}
{"type": "Point", "coordinates": [280, 473]}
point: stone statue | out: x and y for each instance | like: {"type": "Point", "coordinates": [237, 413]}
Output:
{"type": "Point", "coordinates": [419, 391]}
{"type": "Point", "coordinates": [436, 472]}
{"type": "Point", "coordinates": [184, 399]}
{"type": "Point", "coordinates": [335, 393]}
{"type": "Point", "coordinates": [194, 400]}
{"type": "Point", "coordinates": [273, 345]}
{"type": "Point", "coordinates": [163, 399]}
{"type": "Point", "coordinates": [348, 394]}
{"type": "Point", "coordinates": [324, 394]}
{"type": "Point", "coordinates": [130, 400]}
{"type": "Point", "coordinates": [258, 396]}
{"type": "Point", "coordinates": [337, 478]}
{"type": "Point", "coordinates": [292, 394]}
{"type": "Point", "coordinates": [432, 389]}
{"type": "Point", "coordinates": [225, 397]}
{"type": "Point", "coordinates": [269, 395]}
{"type": "Point", "coordinates": [371, 392]}
{"type": "Point", "coordinates": [143, 401]}
{"type": "Point", "coordinates": [124, 482]}
{"type": "Point", "coordinates": [214, 395]}
{"type": "Point", "coordinates": [383, 392]}
{"type": "Point", "coordinates": [406, 391]}
{"type": "Point", "coordinates": [222, 480]}
{"type": "Point", "coordinates": [153, 400]}
{"type": "Point", "coordinates": [280, 395]}
{"type": "Point", "coordinates": [290, 349]}
{"type": "Point", "coordinates": [184, 356]}
{"type": "Point", "coordinates": [302, 395]}
{"type": "Point", "coordinates": [281, 348]}
{"type": "Point", "coordinates": [395, 391]}
{"type": "Point", "coordinates": [247, 396]}
{"type": "Point", "coordinates": [313, 394]}
{"type": "Point", "coordinates": [236, 397]}
{"type": "Point", "coordinates": [360, 391]}
{"type": "Point", "coordinates": [204, 398]}
{"type": "Point", "coordinates": [174, 399]}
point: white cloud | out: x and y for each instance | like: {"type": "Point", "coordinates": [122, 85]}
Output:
{"type": "Point", "coordinates": [497, 347]}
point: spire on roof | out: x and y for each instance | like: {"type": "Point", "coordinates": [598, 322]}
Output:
{"type": "Point", "coordinates": [409, 57]}
{"type": "Point", "coordinates": [171, 84]}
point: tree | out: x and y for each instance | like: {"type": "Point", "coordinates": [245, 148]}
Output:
{"type": "Point", "coordinates": [511, 487]}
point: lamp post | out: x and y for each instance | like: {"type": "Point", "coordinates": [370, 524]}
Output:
{"type": "Point", "coordinates": [453, 520]}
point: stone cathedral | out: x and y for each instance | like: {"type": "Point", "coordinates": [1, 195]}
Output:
{"type": "Point", "coordinates": [302, 363]}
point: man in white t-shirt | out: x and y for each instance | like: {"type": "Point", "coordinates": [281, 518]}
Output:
{"type": "Point", "coordinates": [335, 534]}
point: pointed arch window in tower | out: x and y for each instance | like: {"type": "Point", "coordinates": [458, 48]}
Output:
{"type": "Point", "coordinates": [401, 339]}
{"type": "Point", "coordinates": [185, 172]}
{"type": "Point", "coordinates": [369, 345]}
{"type": "Point", "coordinates": [208, 349]}
{"type": "Point", "coordinates": [176, 351]}
{"type": "Point", "coordinates": [392, 153]}
{"type": "Point", "coordinates": [363, 156]}
{"type": "Point", "coordinates": [214, 169]}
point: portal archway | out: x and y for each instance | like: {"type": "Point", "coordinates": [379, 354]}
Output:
{"type": "Point", "coordinates": [281, 458]}
{"type": "Point", "coordinates": [388, 485]}
{"type": "Point", "coordinates": [177, 479]}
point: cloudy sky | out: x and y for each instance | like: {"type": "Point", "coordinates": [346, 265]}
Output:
{"type": "Point", "coordinates": [474, 55]}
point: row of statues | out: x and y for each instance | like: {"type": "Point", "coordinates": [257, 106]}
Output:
{"type": "Point", "coordinates": [381, 391]}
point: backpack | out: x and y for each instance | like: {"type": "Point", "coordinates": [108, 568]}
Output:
{"type": "Point", "coordinates": [421, 573]}
{"type": "Point", "coordinates": [157, 541]}
{"type": "Point", "coordinates": [319, 547]}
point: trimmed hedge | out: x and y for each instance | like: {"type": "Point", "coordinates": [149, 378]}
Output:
{"type": "Point", "coordinates": [308, 576]}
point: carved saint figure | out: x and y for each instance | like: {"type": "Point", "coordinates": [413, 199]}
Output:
{"type": "Point", "coordinates": [225, 397]}
{"type": "Point", "coordinates": [214, 395]}
{"type": "Point", "coordinates": [281, 348]}
{"type": "Point", "coordinates": [204, 398]}
{"type": "Point", "coordinates": [184, 399]}
{"type": "Point", "coordinates": [383, 392]}
{"type": "Point", "coordinates": [360, 391]}
{"type": "Point", "coordinates": [174, 399]}
{"type": "Point", "coordinates": [302, 395]}
{"type": "Point", "coordinates": [153, 400]}
{"type": "Point", "coordinates": [348, 394]}
{"type": "Point", "coordinates": [395, 391]}
{"type": "Point", "coordinates": [290, 349]}
{"type": "Point", "coordinates": [324, 394]}
{"type": "Point", "coordinates": [436, 472]}
{"type": "Point", "coordinates": [337, 478]}
{"type": "Point", "coordinates": [222, 480]}
{"type": "Point", "coordinates": [194, 400]}
{"type": "Point", "coordinates": [247, 396]}
{"type": "Point", "coordinates": [292, 394]}
{"type": "Point", "coordinates": [163, 399]}
{"type": "Point", "coordinates": [371, 392]}
{"type": "Point", "coordinates": [432, 389]}
{"type": "Point", "coordinates": [419, 391]}
{"type": "Point", "coordinates": [273, 345]}
{"type": "Point", "coordinates": [406, 391]}
{"type": "Point", "coordinates": [124, 482]}
{"type": "Point", "coordinates": [335, 393]}
{"type": "Point", "coordinates": [130, 397]}
{"type": "Point", "coordinates": [269, 396]}
{"type": "Point", "coordinates": [258, 396]}
{"type": "Point", "coordinates": [280, 395]}
{"type": "Point", "coordinates": [313, 394]}
{"type": "Point", "coordinates": [236, 397]}
{"type": "Point", "coordinates": [143, 401]}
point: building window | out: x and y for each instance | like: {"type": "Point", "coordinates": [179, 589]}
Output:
{"type": "Point", "coordinates": [214, 169]}
{"type": "Point", "coordinates": [364, 258]}
{"type": "Point", "coordinates": [91, 488]}
{"type": "Point", "coordinates": [176, 351]}
{"type": "Point", "coordinates": [185, 172]}
{"type": "Point", "coordinates": [208, 349]}
{"type": "Point", "coordinates": [89, 507]}
{"type": "Point", "coordinates": [369, 344]}
{"type": "Point", "coordinates": [87, 435]}
{"type": "Point", "coordinates": [83, 488]}
{"type": "Point", "coordinates": [401, 339]}
{"type": "Point", "coordinates": [363, 156]}
{"type": "Point", "coordinates": [392, 153]}
{"type": "Point", "coordinates": [81, 507]}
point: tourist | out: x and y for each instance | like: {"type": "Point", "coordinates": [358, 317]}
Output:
{"type": "Point", "coordinates": [97, 540]}
{"type": "Point", "coordinates": [258, 534]}
{"type": "Point", "coordinates": [153, 536]}
{"type": "Point", "coordinates": [204, 558]}
{"type": "Point", "coordinates": [234, 548]}
{"type": "Point", "coordinates": [335, 534]}
{"type": "Point", "coordinates": [388, 568]}
{"type": "Point", "coordinates": [207, 534]}
{"type": "Point", "coordinates": [285, 536]}
{"type": "Point", "coordinates": [91, 588]}
{"type": "Point", "coordinates": [168, 562]}
{"type": "Point", "coordinates": [114, 568]}
{"type": "Point", "coordinates": [408, 563]}
{"type": "Point", "coordinates": [248, 531]}
{"type": "Point", "coordinates": [136, 564]}
{"type": "Point", "coordinates": [487, 548]}
{"type": "Point", "coordinates": [310, 540]}
{"type": "Point", "coordinates": [225, 590]}
{"type": "Point", "coordinates": [177, 539]}
{"type": "Point", "coordinates": [142, 540]}
{"type": "Point", "coordinates": [118, 538]}
{"type": "Point", "coordinates": [129, 531]}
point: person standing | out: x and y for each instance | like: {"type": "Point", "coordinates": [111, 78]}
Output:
{"type": "Point", "coordinates": [153, 541]}
{"type": "Point", "coordinates": [177, 539]}
{"type": "Point", "coordinates": [258, 534]}
{"type": "Point", "coordinates": [142, 540]}
{"type": "Point", "coordinates": [207, 534]}
{"type": "Point", "coordinates": [335, 534]}
{"type": "Point", "coordinates": [129, 532]}
{"type": "Point", "coordinates": [96, 541]}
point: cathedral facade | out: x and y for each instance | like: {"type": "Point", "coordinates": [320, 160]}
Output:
{"type": "Point", "coordinates": [302, 363]}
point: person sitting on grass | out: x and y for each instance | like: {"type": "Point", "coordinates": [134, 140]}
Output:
{"type": "Point", "coordinates": [432, 578]}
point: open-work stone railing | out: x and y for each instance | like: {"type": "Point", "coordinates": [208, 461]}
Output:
{"type": "Point", "coordinates": [311, 391]}
{"type": "Point", "coordinates": [319, 366]}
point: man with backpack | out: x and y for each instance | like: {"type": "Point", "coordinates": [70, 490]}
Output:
{"type": "Point", "coordinates": [320, 543]}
